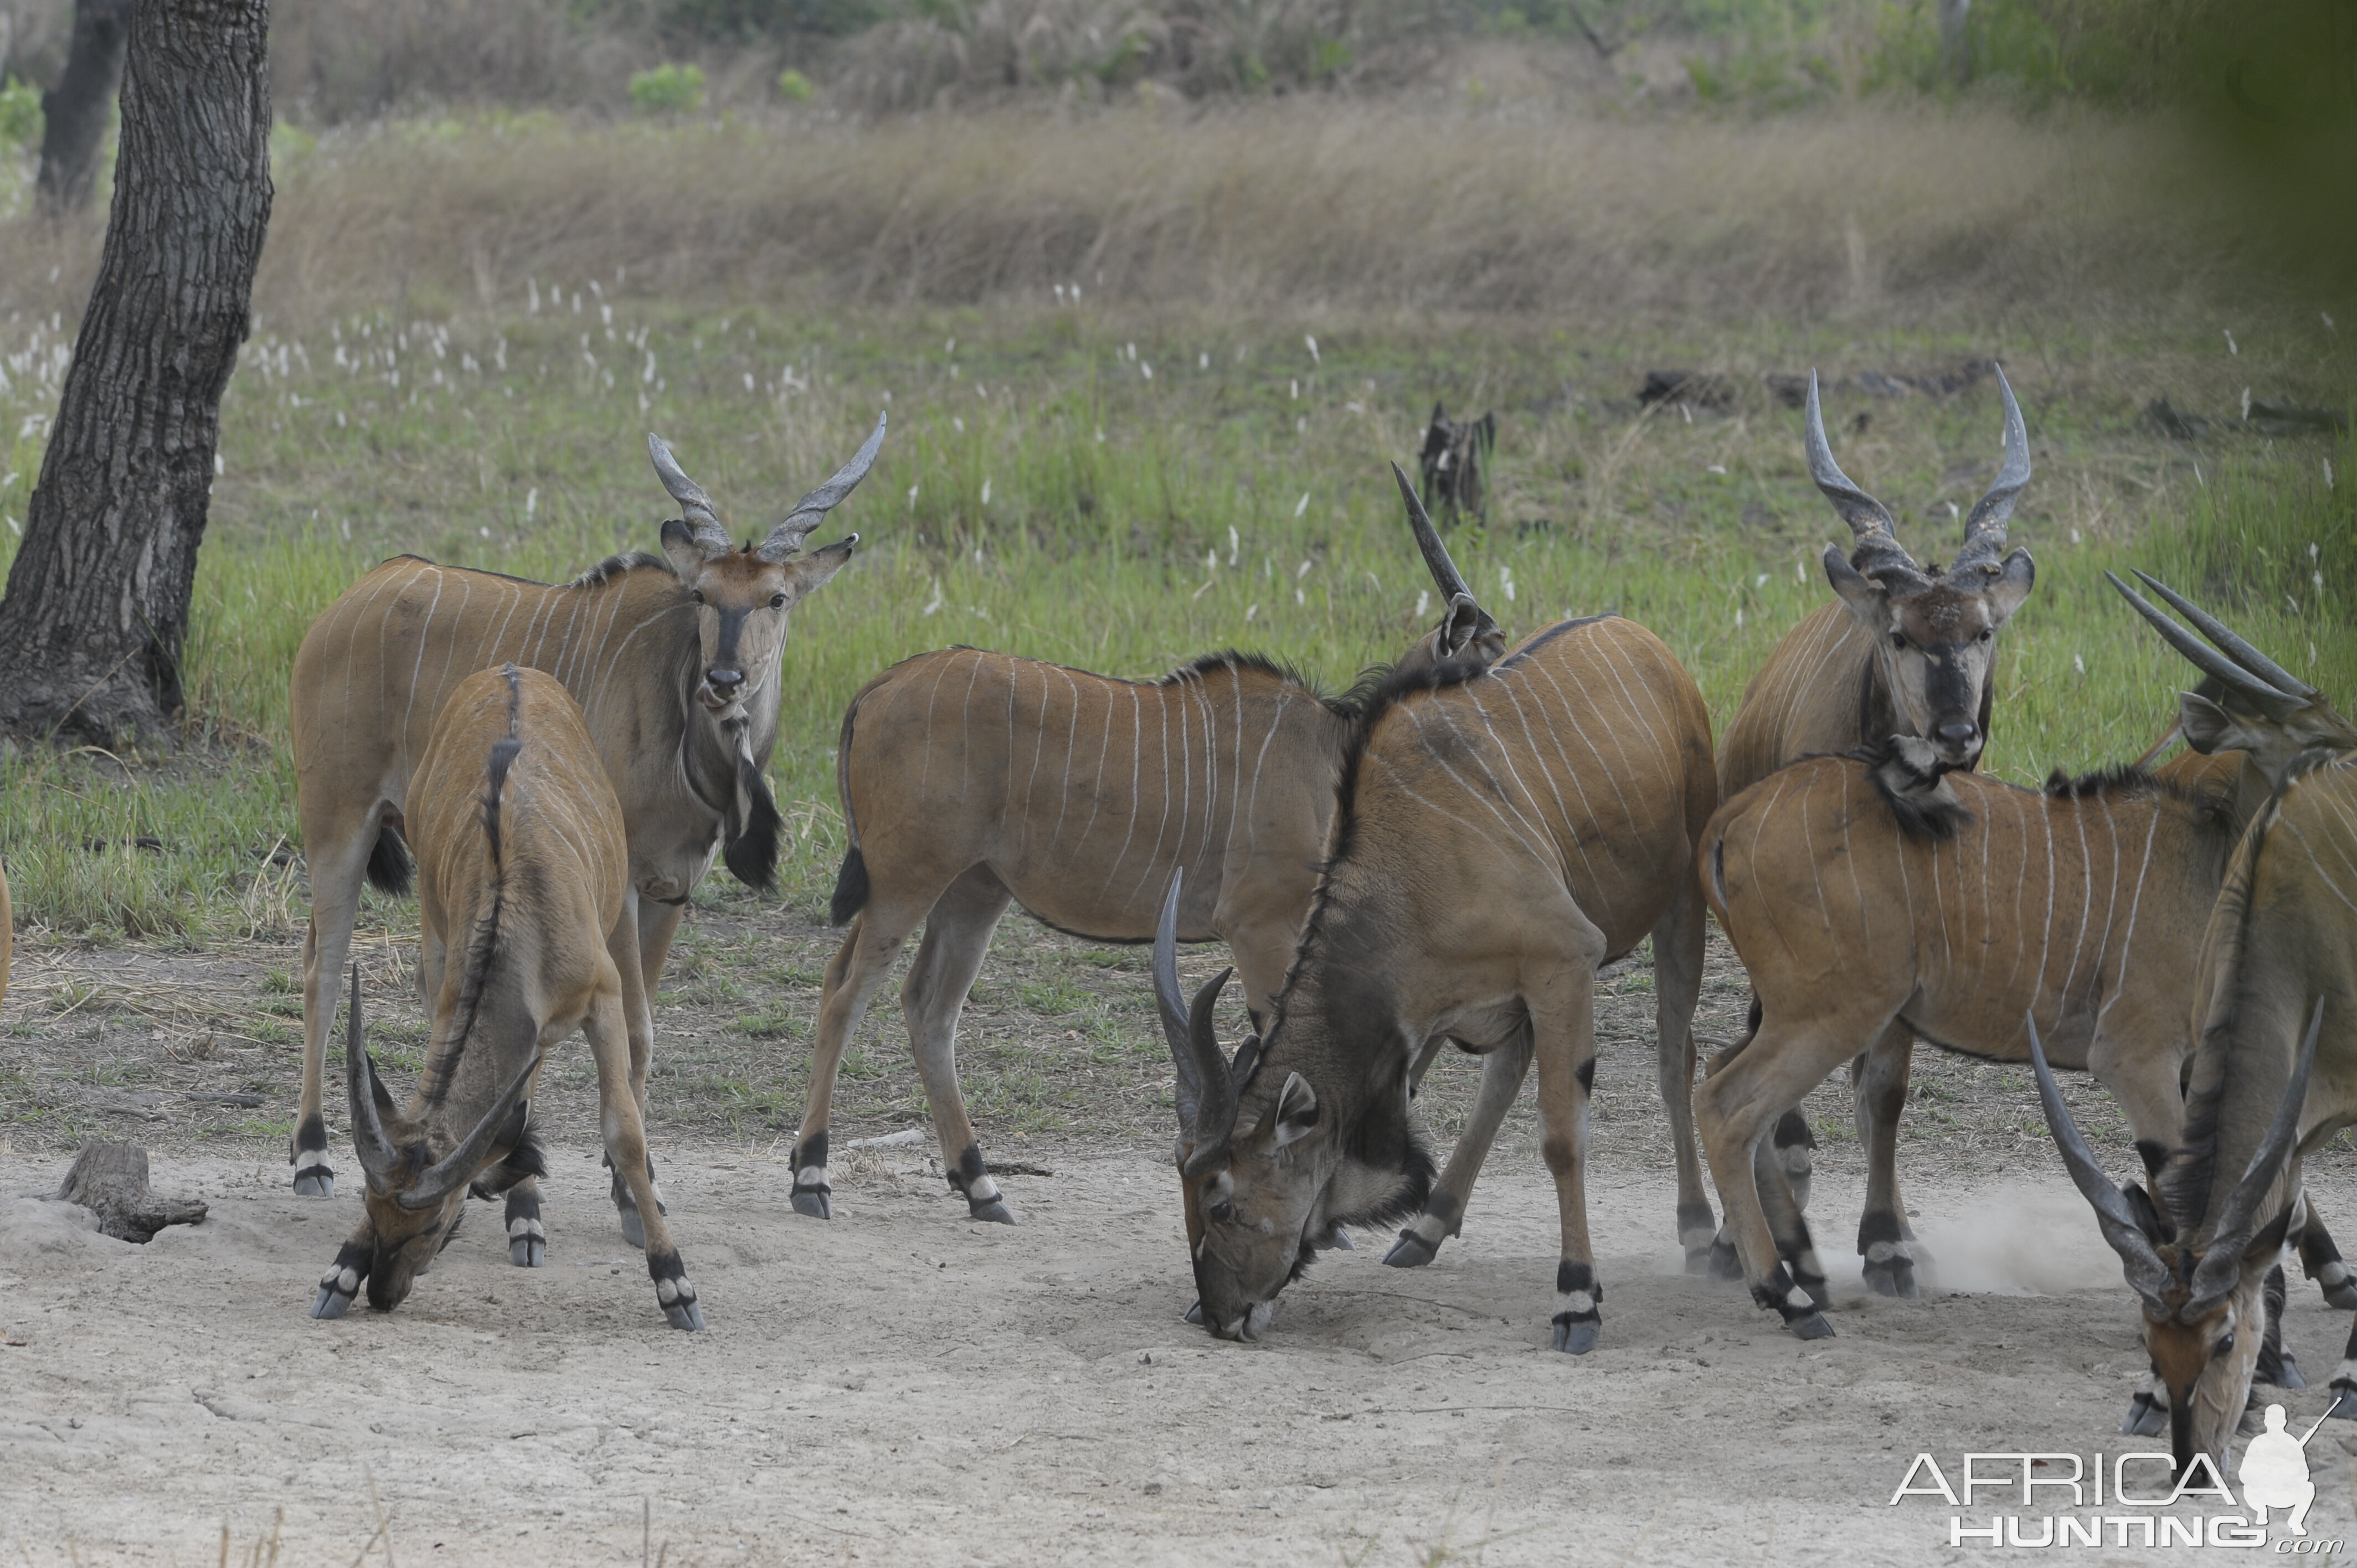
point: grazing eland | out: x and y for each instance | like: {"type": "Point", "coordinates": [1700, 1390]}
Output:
{"type": "Point", "coordinates": [673, 659]}
{"type": "Point", "coordinates": [2274, 1073]}
{"type": "Point", "coordinates": [1499, 833]}
{"type": "Point", "coordinates": [522, 881]}
{"type": "Point", "coordinates": [972, 781]}
{"type": "Point", "coordinates": [1904, 649]}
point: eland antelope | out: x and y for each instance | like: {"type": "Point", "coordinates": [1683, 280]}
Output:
{"type": "Point", "coordinates": [2274, 1073]}
{"type": "Point", "coordinates": [1499, 833]}
{"type": "Point", "coordinates": [673, 659]}
{"type": "Point", "coordinates": [1875, 891]}
{"type": "Point", "coordinates": [1905, 650]}
{"type": "Point", "coordinates": [971, 780]}
{"type": "Point", "coordinates": [522, 883]}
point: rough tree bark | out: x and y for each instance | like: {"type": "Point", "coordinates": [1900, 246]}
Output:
{"type": "Point", "coordinates": [97, 607]}
{"type": "Point", "coordinates": [73, 112]}
{"type": "Point", "coordinates": [110, 1181]}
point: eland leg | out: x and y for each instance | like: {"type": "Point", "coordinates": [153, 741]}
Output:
{"type": "Point", "coordinates": [1739, 1100]}
{"type": "Point", "coordinates": [658, 924]}
{"type": "Point", "coordinates": [2276, 1365]}
{"type": "Point", "coordinates": [1677, 987]}
{"type": "Point", "coordinates": [957, 939]}
{"type": "Point", "coordinates": [1885, 1240]}
{"type": "Point", "coordinates": [336, 852]}
{"type": "Point", "coordinates": [1562, 1035]}
{"type": "Point", "coordinates": [1503, 1071]}
{"type": "Point", "coordinates": [2319, 1259]}
{"type": "Point", "coordinates": [853, 975]}
{"type": "Point", "coordinates": [2344, 1381]}
{"type": "Point", "coordinates": [626, 1148]}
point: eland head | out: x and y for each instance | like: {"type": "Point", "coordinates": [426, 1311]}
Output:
{"type": "Point", "coordinates": [744, 595]}
{"type": "Point", "coordinates": [2198, 1263]}
{"type": "Point", "coordinates": [1935, 632]}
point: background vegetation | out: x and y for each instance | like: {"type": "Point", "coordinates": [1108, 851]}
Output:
{"type": "Point", "coordinates": [1150, 327]}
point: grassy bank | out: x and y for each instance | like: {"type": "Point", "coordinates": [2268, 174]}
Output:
{"type": "Point", "coordinates": [1122, 492]}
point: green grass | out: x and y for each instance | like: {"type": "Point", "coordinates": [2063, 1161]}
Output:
{"type": "Point", "coordinates": [1040, 493]}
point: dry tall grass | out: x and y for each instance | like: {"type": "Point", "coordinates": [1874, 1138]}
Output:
{"type": "Point", "coordinates": [1280, 205]}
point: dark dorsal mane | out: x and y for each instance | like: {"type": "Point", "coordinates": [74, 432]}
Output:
{"type": "Point", "coordinates": [614, 566]}
{"type": "Point", "coordinates": [1277, 670]}
{"type": "Point", "coordinates": [2121, 778]}
{"type": "Point", "coordinates": [482, 944]}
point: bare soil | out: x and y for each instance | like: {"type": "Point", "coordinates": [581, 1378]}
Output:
{"type": "Point", "coordinates": [902, 1385]}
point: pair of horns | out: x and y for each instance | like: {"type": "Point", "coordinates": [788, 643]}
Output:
{"type": "Point", "coordinates": [2147, 1273]}
{"type": "Point", "coordinates": [703, 518]}
{"type": "Point", "coordinates": [1879, 553]}
{"type": "Point", "coordinates": [1207, 1083]}
{"type": "Point", "coordinates": [1465, 622]}
{"type": "Point", "coordinates": [2241, 669]}
{"type": "Point", "coordinates": [382, 1161]}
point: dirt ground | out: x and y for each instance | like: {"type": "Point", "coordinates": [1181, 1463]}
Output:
{"type": "Point", "coordinates": [900, 1385]}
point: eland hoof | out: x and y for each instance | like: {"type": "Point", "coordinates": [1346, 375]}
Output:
{"type": "Point", "coordinates": [684, 1315]}
{"type": "Point", "coordinates": [1576, 1337]}
{"type": "Point", "coordinates": [1811, 1325]}
{"type": "Point", "coordinates": [1411, 1252]}
{"type": "Point", "coordinates": [811, 1200]}
{"type": "Point", "coordinates": [1724, 1264]}
{"type": "Point", "coordinates": [634, 1229]}
{"type": "Point", "coordinates": [528, 1251]}
{"type": "Point", "coordinates": [1195, 1316]}
{"type": "Point", "coordinates": [2342, 1294]}
{"type": "Point", "coordinates": [1335, 1241]}
{"type": "Point", "coordinates": [2145, 1418]}
{"type": "Point", "coordinates": [994, 1213]}
{"type": "Point", "coordinates": [314, 1181]}
{"type": "Point", "coordinates": [331, 1303]}
{"type": "Point", "coordinates": [1895, 1278]}
{"type": "Point", "coordinates": [2344, 1402]}
{"type": "Point", "coordinates": [2288, 1374]}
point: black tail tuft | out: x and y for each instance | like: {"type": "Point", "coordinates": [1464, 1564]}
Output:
{"type": "Point", "coordinates": [850, 889]}
{"type": "Point", "coordinates": [388, 864]}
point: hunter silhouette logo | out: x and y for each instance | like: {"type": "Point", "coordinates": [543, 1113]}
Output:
{"type": "Point", "coordinates": [2273, 1472]}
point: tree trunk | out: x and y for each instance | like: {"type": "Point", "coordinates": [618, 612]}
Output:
{"type": "Point", "coordinates": [73, 112]}
{"type": "Point", "coordinates": [110, 1181]}
{"type": "Point", "coordinates": [97, 607]}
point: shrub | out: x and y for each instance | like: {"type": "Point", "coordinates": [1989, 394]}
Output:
{"type": "Point", "coordinates": [668, 90]}
{"type": "Point", "coordinates": [20, 113]}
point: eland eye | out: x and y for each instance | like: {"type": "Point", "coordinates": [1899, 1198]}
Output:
{"type": "Point", "coordinates": [1223, 1212]}
{"type": "Point", "coordinates": [1986, 635]}
{"type": "Point", "coordinates": [777, 601]}
{"type": "Point", "coordinates": [696, 594]}
{"type": "Point", "coordinates": [1899, 640]}
{"type": "Point", "coordinates": [2225, 1346]}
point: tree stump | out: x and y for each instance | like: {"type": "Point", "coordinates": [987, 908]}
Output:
{"type": "Point", "coordinates": [110, 1181]}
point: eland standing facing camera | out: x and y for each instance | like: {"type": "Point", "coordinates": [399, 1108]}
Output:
{"type": "Point", "coordinates": [674, 663]}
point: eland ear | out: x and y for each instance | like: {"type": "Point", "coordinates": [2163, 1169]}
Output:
{"type": "Point", "coordinates": [1296, 1110]}
{"type": "Point", "coordinates": [1868, 600]}
{"type": "Point", "coordinates": [683, 550]}
{"type": "Point", "coordinates": [2211, 729]}
{"type": "Point", "coordinates": [815, 570]}
{"type": "Point", "coordinates": [2012, 584]}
